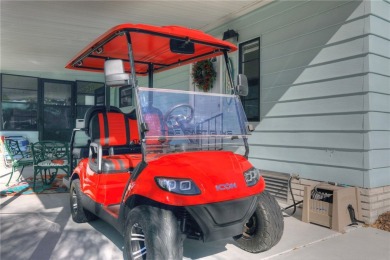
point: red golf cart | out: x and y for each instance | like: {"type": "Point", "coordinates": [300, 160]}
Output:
{"type": "Point", "coordinates": [176, 166]}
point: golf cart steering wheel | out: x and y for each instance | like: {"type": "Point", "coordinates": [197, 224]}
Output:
{"type": "Point", "coordinates": [179, 120]}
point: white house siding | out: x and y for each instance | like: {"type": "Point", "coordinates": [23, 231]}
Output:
{"type": "Point", "coordinates": [377, 100]}
{"type": "Point", "coordinates": [324, 89]}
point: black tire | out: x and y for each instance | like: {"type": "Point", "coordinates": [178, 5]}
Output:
{"type": "Point", "coordinates": [79, 214]}
{"type": "Point", "coordinates": [265, 228]}
{"type": "Point", "coordinates": [152, 233]}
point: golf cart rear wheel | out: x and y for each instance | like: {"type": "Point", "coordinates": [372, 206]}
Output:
{"type": "Point", "coordinates": [264, 229]}
{"type": "Point", "coordinates": [152, 233]}
{"type": "Point", "coordinates": [79, 214]}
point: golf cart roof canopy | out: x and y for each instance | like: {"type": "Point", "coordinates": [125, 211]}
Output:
{"type": "Point", "coordinates": [163, 47]}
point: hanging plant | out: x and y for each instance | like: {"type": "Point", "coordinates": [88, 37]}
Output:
{"type": "Point", "coordinates": [203, 75]}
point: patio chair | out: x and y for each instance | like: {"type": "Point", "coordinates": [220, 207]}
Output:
{"type": "Point", "coordinates": [49, 157]}
{"type": "Point", "coordinates": [17, 157]}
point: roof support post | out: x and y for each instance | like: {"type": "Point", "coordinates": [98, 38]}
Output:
{"type": "Point", "coordinates": [131, 60]}
{"type": "Point", "coordinates": [143, 125]}
{"type": "Point", "coordinates": [225, 55]}
{"type": "Point", "coordinates": [150, 74]}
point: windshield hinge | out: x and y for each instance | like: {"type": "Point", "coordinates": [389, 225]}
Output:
{"type": "Point", "coordinates": [144, 127]}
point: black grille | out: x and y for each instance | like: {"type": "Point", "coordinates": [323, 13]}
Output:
{"type": "Point", "coordinates": [277, 184]}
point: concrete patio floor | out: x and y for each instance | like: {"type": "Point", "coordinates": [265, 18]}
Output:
{"type": "Point", "coordinates": [40, 227]}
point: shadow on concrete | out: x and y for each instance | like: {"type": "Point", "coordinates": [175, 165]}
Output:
{"type": "Point", "coordinates": [40, 227]}
{"type": "Point", "coordinates": [13, 198]}
{"type": "Point", "coordinates": [194, 249]}
{"type": "Point", "coordinates": [31, 235]}
{"type": "Point", "coordinates": [49, 242]}
{"type": "Point", "coordinates": [110, 232]}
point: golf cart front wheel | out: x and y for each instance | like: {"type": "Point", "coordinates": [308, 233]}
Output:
{"type": "Point", "coordinates": [152, 233]}
{"type": "Point", "coordinates": [79, 214]}
{"type": "Point", "coordinates": [265, 228]}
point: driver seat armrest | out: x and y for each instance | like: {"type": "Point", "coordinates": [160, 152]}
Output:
{"type": "Point", "coordinates": [95, 157]}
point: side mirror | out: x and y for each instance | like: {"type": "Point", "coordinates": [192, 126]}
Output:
{"type": "Point", "coordinates": [242, 85]}
{"type": "Point", "coordinates": [114, 73]}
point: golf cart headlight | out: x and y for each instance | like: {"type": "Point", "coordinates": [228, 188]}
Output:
{"type": "Point", "coordinates": [179, 186]}
{"type": "Point", "coordinates": [252, 176]}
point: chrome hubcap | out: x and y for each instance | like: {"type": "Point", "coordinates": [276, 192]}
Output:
{"type": "Point", "coordinates": [137, 242]}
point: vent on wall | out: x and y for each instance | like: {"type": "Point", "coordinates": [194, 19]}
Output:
{"type": "Point", "coordinates": [276, 183]}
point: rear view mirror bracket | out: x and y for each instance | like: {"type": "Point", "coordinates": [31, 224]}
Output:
{"type": "Point", "coordinates": [181, 46]}
{"type": "Point", "coordinates": [242, 85]}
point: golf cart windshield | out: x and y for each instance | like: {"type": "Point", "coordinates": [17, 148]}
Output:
{"type": "Point", "coordinates": [191, 121]}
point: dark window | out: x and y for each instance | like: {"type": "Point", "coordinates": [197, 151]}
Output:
{"type": "Point", "coordinates": [57, 98]}
{"type": "Point", "coordinates": [86, 96]}
{"type": "Point", "coordinates": [19, 95]}
{"type": "Point", "coordinates": [100, 96]}
{"type": "Point", "coordinates": [125, 96]}
{"type": "Point", "coordinates": [249, 64]}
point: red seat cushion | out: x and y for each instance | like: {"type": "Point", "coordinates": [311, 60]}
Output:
{"type": "Point", "coordinates": [116, 164]}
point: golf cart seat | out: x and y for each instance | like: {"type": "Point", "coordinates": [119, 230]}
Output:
{"type": "Point", "coordinates": [110, 143]}
{"type": "Point", "coordinates": [80, 139]}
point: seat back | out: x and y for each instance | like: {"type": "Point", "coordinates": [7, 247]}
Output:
{"type": "Point", "coordinates": [133, 126]}
{"type": "Point", "coordinates": [92, 111]}
{"type": "Point", "coordinates": [13, 149]}
{"type": "Point", "coordinates": [50, 151]}
{"type": "Point", "coordinates": [109, 129]}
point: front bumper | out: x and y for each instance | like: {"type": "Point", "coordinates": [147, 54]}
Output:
{"type": "Point", "coordinates": [223, 219]}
